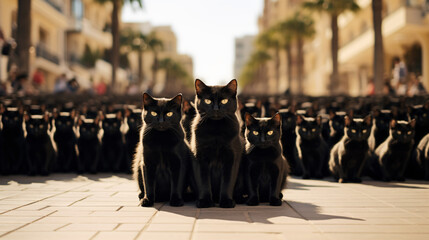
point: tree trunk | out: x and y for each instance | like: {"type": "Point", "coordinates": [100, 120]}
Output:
{"type": "Point", "coordinates": [377, 6]}
{"type": "Point", "coordinates": [24, 35]}
{"type": "Point", "coordinates": [334, 89]}
{"type": "Point", "coordinates": [140, 68]}
{"type": "Point", "coordinates": [115, 42]}
{"type": "Point", "coordinates": [289, 67]}
{"type": "Point", "coordinates": [154, 66]}
{"type": "Point", "coordinates": [300, 60]}
{"type": "Point", "coordinates": [277, 66]}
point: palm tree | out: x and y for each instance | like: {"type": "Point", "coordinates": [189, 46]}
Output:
{"type": "Point", "coordinates": [270, 40]}
{"type": "Point", "coordinates": [255, 69]}
{"type": "Point", "coordinates": [155, 45]}
{"type": "Point", "coordinates": [175, 74]}
{"type": "Point", "coordinates": [117, 4]}
{"type": "Point", "coordinates": [136, 42]}
{"type": "Point", "coordinates": [334, 8]}
{"type": "Point", "coordinates": [24, 35]}
{"type": "Point", "coordinates": [299, 27]}
{"type": "Point", "coordinates": [377, 7]}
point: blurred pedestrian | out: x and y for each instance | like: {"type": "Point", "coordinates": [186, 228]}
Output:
{"type": "Point", "coordinates": [415, 87]}
{"type": "Point", "coordinates": [38, 79]}
{"type": "Point", "coordinates": [73, 85]}
{"type": "Point", "coordinates": [60, 84]}
{"type": "Point", "coordinates": [370, 88]}
{"type": "Point", "coordinates": [399, 73]}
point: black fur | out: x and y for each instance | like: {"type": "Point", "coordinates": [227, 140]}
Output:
{"type": "Point", "coordinates": [422, 156]}
{"type": "Point", "coordinates": [66, 141]}
{"type": "Point", "coordinates": [288, 141]}
{"type": "Point", "coordinates": [89, 144]}
{"type": "Point", "coordinates": [13, 145]}
{"type": "Point", "coordinates": [132, 136]}
{"type": "Point", "coordinates": [380, 130]}
{"type": "Point", "coordinates": [113, 143]}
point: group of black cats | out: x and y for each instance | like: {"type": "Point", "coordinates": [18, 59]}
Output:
{"type": "Point", "coordinates": [217, 149]}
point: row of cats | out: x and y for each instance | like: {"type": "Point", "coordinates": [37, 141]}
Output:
{"type": "Point", "coordinates": [218, 149]}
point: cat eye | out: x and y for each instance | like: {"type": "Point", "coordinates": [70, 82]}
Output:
{"type": "Point", "coordinates": [353, 131]}
{"type": "Point", "coordinates": [399, 132]}
{"type": "Point", "coordinates": [224, 101]}
{"type": "Point", "coordinates": [31, 126]}
{"type": "Point", "coordinates": [68, 123]}
{"type": "Point", "coordinates": [304, 129]}
{"type": "Point", "coordinates": [409, 132]}
{"type": "Point", "coordinates": [364, 131]}
{"type": "Point", "coordinates": [41, 126]}
{"type": "Point", "coordinates": [169, 114]}
{"type": "Point", "coordinates": [207, 101]}
{"type": "Point", "coordinates": [131, 120]}
{"type": "Point", "coordinates": [256, 133]}
{"type": "Point", "coordinates": [153, 113]}
{"type": "Point", "coordinates": [313, 130]}
{"type": "Point", "coordinates": [270, 133]}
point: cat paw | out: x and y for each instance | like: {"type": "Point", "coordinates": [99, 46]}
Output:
{"type": "Point", "coordinates": [141, 195]}
{"type": "Point", "coordinates": [145, 202]}
{"type": "Point", "coordinates": [226, 203]}
{"type": "Point", "coordinates": [275, 201]}
{"type": "Point", "coordinates": [176, 202]}
{"type": "Point", "coordinates": [342, 180]}
{"type": "Point", "coordinates": [253, 201]}
{"type": "Point", "coordinates": [204, 203]}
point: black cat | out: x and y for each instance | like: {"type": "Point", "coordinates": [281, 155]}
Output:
{"type": "Point", "coordinates": [380, 130]}
{"type": "Point", "coordinates": [217, 144]}
{"type": "Point", "coordinates": [391, 157]}
{"type": "Point", "coordinates": [89, 144]}
{"type": "Point", "coordinates": [112, 143]}
{"type": "Point", "coordinates": [265, 166]}
{"type": "Point", "coordinates": [132, 136]}
{"type": "Point", "coordinates": [12, 132]}
{"type": "Point", "coordinates": [288, 140]}
{"type": "Point", "coordinates": [422, 156]}
{"type": "Point", "coordinates": [421, 114]}
{"type": "Point", "coordinates": [336, 127]}
{"type": "Point", "coordinates": [40, 149]}
{"type": "Point", "coordinates": [163, 157]}
{"type": "Point", "coordinates": [349, 155]}
{"type": "Point", "coordinates": [66, 141]}
{"type": "Point", "coordinates": [189, 113]}
{"type": "Point", "coordinates": [312, 150]}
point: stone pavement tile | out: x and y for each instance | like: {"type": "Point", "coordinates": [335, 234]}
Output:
{"type": "Point", "coordinates": [6, 227]}
{"type": "Point", "coordinates": [261, 217]}
{"type": "Point", "coordinates": [254, 227]}
{"type": "Point", "coordinates": [166, 217]}
{"type": "Point", "coordinates": [374, 228]}
{"type": "Point", "coordinates": [130, 227]}
{"type": "Point", "coordinates": [42, 227]}
{"type": "Point", "coordinates": [223, 217]}
{"type": "Point", "coordinates": [64, 213]}
{"type": "Point", "coordinates": [164, 236]}
{"type": "Point", "coordinates": [50, 235]}
{"type": "Point", "coordinates": [169, 227]}
{"type": "Point", "coordinates": [84, 209]}
{"type": "Point", "coordinates": [115, 235]}
{"type": "Point", "coordinates": [32, 213]}
{"type": "Point", "coordinates": [376, 236]}
{"type": "Point", "coordinates": [121, 214]}
{"type": "Point", "coordinates": [239, 236]}
{"type": "Point", "coordinates": [419, 221]}
{"type": "Point", "coordinates": [35, 206]}
{"type": "Point", "coordinates": [79, 227]}
{"type": "Point", "coordinates": [94, 219]}
{"type": "Point", "coordinates": [16, 219]}
{"type": "Point", "coordinates": [357, 221]}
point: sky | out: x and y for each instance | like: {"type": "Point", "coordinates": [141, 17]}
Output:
{"type": "Point", "coordinates": [204, 29]}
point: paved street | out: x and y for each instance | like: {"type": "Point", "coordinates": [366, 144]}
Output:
{"type": "Point", "coordinates": [105, 207]}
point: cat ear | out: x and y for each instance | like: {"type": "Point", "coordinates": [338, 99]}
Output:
{"type": "Point", "coordinates": [80, 120]}
{"type": "Point", "coordinates": [426, 106]}
{"type": "Point", "coordinates": [73, 113]}
{"type": "Point", "coordinates": [368, 120]}
{"type": "Point", "coordinates": [177, 100]}
{"type": "Point", "coordinates": [147, 99]}
{"type": "Point", "coordinates": [55, 113]}
{"type": "Point", "coordinates": [299, 119]}
{"type": "Point", "coordinates": [46, 117]}
{"type": "Point", "coordinates": [119, 115]}
{"type": "Point", "coordinates": [347, 121]}
{"type": "Point", "coordinates": [186, 106]}
{"type": "Point", "coordinates": [393, 123]}
{"type": "Point", "coordinates": [127, 112]}
{"type": "Point", "coordinates": [240, 105]}
{"type": "Point", "coordinates": [249, 119]}
{"type": "Point", "coordinates": [26, 117]}
{"type": "Point", "coordinates": [413, 123]}
{"type": "Point", "coordinates": [2, 108]}
{"type": "Point", "coordinates": [259, 104]}
{"type": "Point", "coordinates": [319, 120]}
{"type": "Point", "coordinates": [199, 86]}
{"type": "Point", "coordinates": [232, 86]}
{"type": "Point", "coordinates": [277, 119]}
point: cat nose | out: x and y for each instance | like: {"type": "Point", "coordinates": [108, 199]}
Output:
{"type": "Point", "coordinates": [216, 106]}
{"type": "Point", "coordinates": [262, 138]}
{"type": "Point", "coordinates": [161, 119]}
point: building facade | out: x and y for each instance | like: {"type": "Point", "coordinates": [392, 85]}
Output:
{"type": "Point", "coordinates": [243, 50]}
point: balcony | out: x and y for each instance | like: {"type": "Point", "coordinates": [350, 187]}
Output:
{"type": "Point", "coordinates": [42, 52]}
{"type": "Point", "coordinates": [55, 5]}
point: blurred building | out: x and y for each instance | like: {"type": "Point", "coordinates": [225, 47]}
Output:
{"type": "Point", "coordinates": [243, 50]}
{"type": "Point", "coordinates": [67, 37]}
{"type": "Point", "coordinates": [157, 80]}
{"type": "Point", "coordinates": [405, 35]}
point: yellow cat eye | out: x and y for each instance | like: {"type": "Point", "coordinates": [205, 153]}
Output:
{"type": "Point", "coordinates": [224, 101]}
{"type": "Point", "coordinates": [207, 101]}
{"type": "Point", "coordinates": [399, 132]}
{"type": "Point", "coordinates": [153, 113]}
{"type": "Point", "coordinates": [256, 133]}
{"type": "Point", "coordinates": [353, 131]}
{"type": "Point", "coordinates": [169, 114]}
{"type": "Point", "coordinates": [270, 133]}
{"type": "Point", "coordinates": [304, 129]}
{"type": "Point", "coordinates": [364, 131]}
{"type": "Point", "coordinates": [409, 132]}
{"type": "Point", "coordinates": [313, 130]}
